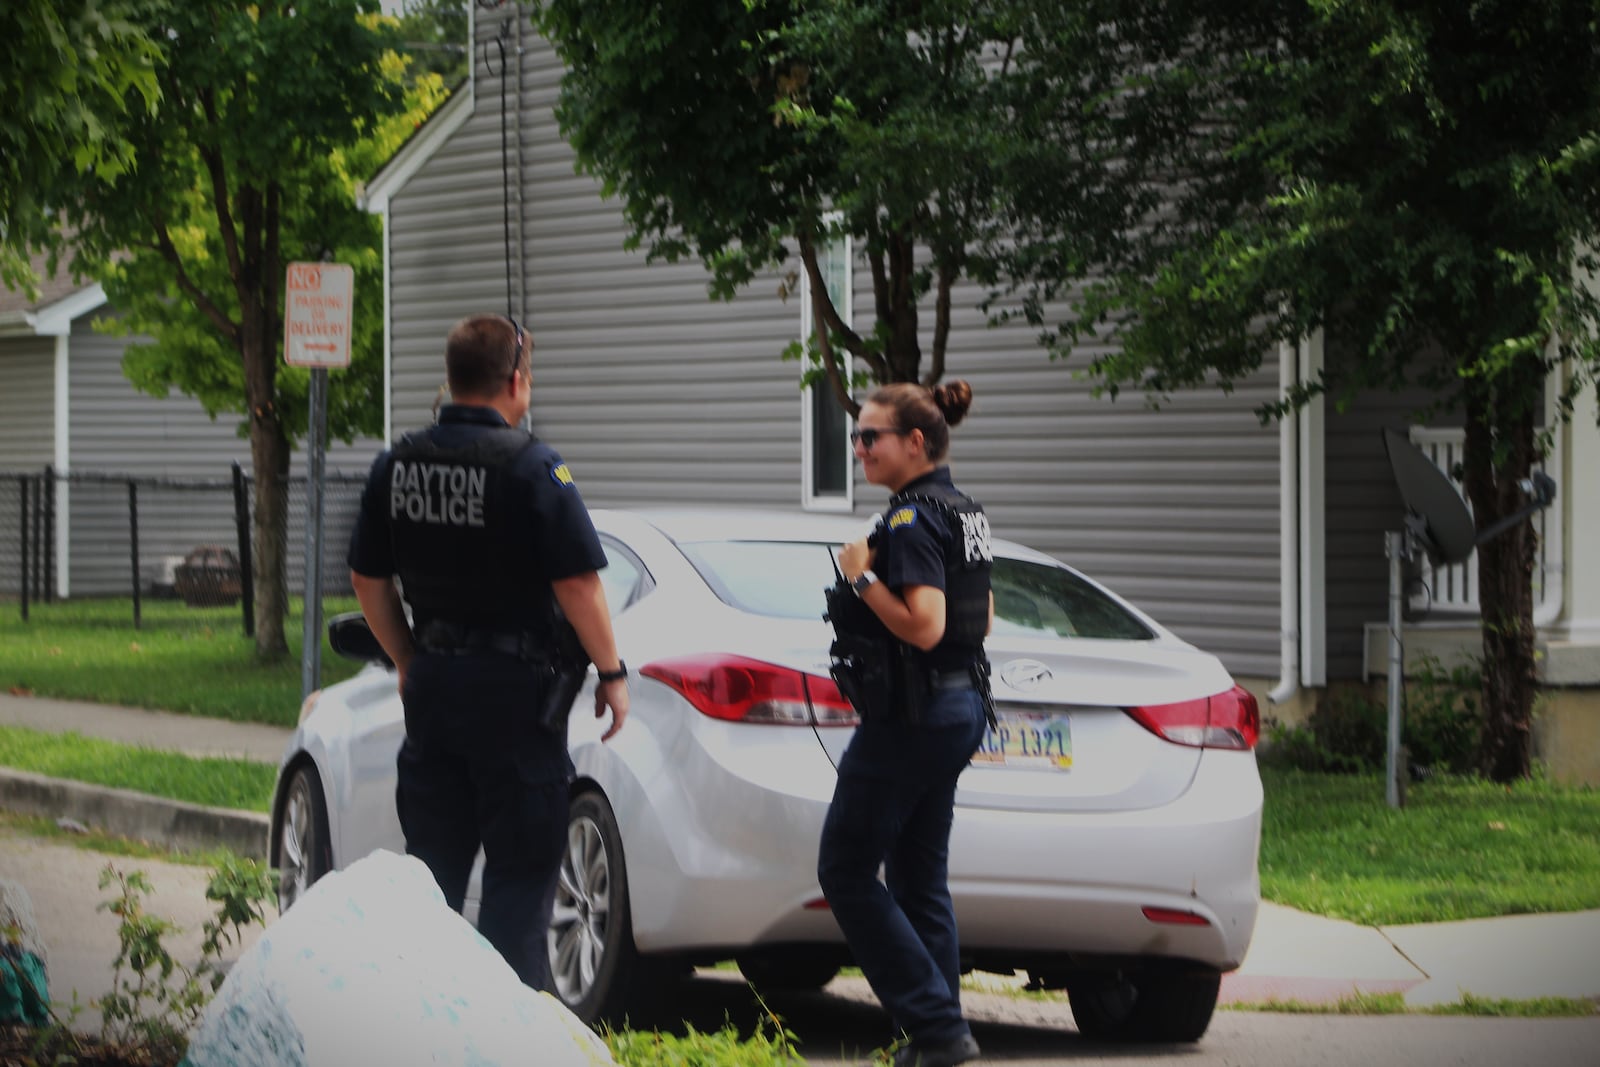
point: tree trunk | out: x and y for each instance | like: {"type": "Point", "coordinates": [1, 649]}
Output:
{"type": "Point", "coordinates": [1505, 582]}
{"type": "Point", "coordinates": [269, 455]}
{"type": "Point", "coordinates": [269, 452]}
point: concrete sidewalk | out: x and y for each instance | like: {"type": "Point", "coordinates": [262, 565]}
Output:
{"type": "Point", "coordinates": [1294, 956]}
{"type": "Point", "coordinates": [189, 827]}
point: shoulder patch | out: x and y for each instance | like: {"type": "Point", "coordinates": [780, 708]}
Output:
{"type": "Point", "coordinates": [561, 475]}
{"type": "Point", "coordinates": [902, 518]}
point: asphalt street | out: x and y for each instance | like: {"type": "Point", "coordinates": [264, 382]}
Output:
{"type": "Point", "coordinates": [841, 1025]}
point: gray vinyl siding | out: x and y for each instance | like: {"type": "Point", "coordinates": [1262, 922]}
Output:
{"type": "Point", "coordinates": [654, 393]}
{"type": "Point", "coordinates": [1363, 504]}
{"type": "Point", "coordinates": [27, 402]}
{"type": "Point", "coordinates": [27, 439]}
{"type": "Point", "coordinates": [650, 391]}
{"type": "Point", "coordinates": [1176, 509]}
{"type": "Point", "coordinates": [121, 433]}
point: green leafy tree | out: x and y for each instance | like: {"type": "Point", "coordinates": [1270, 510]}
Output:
{"type": "Point", "coordinates": [269, 114]}
{"type": "Point", "coordinates": [1419, 179]}
{"type": "Point", "coordinates": [71, 73]}
{"type": "Point", "coordinates": [743, 131]}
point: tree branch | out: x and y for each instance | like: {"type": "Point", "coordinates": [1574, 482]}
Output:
{"type": "Point", "coordinates": [904, 354]}
{"type": "Point", "coordinates": [830, 363]}
{"type": "Point", "coordinates": [880, 279]}
{"type": "Point", "coordinates": [825, 316]}
{"type": "Point", "coordinates": [212, 159]}
{"type": "Point", "coordinates": [210, 310]}
{"type": "Point", "coordinates": [272, 261]}
{"type": "Point", "coordinates": [941, 322]}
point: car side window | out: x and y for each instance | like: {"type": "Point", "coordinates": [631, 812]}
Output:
{"type": "Point", "coordinates": [1032, 600]}
{"type": "Point", "coordinates": [624, 578]}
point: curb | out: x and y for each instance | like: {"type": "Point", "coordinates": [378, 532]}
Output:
{"type": "Point", "coordinates": [170, 823]}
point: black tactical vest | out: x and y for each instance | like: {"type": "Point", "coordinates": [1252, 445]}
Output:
{"type": "Point", "coordinates": [453, 523]}
{"type": "Point", "coordinates": [968, 559]}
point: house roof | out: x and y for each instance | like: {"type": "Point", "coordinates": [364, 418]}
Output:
{"type": "Point", "coordinates": [51, 288]}
{"type": "Point", "coordinates": [418, 149]}
{"type": "Point", "coordinates": [61, 299]}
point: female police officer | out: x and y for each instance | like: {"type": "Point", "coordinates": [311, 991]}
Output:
{"type": "Point", "coordinates": [925, 574]}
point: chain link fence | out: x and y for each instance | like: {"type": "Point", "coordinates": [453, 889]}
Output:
{"type": "Point", "coordinates": [105, 534]}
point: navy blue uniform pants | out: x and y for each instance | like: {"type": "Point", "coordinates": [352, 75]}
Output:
{"type": "Point", "coordinates": [892, 807]}
{"type": "Point", "coordinates": [475, 769]}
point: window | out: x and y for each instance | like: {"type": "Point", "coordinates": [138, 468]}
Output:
{"type": "Point", "coordinates": [623, 577]}
{"type": "Point", "coordinates": [786, 580]}
{"type": "Point", "coordinates": [826, 460]}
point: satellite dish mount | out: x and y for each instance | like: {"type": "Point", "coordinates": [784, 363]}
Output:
{"type": "Point", "coordinates": [1439, 526]}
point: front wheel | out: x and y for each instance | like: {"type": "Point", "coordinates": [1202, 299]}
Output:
{"type": "Point", "coordinates": [593, 961]}
{"type": "Point", "coordinates": [303, 853]}
{"type": "Point", "coordinates": [1144, 1006]}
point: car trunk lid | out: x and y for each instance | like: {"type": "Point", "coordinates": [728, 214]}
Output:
{"type": "Point", "coordinates": [1065, 740]}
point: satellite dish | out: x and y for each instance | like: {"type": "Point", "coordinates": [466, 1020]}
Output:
{"type": "Point", "coordinates": [1442, 522]}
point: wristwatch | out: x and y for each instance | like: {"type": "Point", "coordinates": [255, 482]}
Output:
{"type": "Point", "coordinates": [863, 581]}
{"type": "Point", "coordinates": [613, 676]}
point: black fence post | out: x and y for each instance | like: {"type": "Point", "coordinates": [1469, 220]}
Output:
{"type": "Point", "coordinates": [133, 543]}
{"type": "Point", "coordinates": [241, 520]}
{"type": "Point", "coordinates": [38, 541]}
{"type": "Point", "coordinates": [22, 489]}
{"type": "Point", "coordinates": [49, 546]}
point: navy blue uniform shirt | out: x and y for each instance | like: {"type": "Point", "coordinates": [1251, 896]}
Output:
{"type": "Point", "coordinates": [546, 536]}
{"type": "Point", "coordinates": [911, 543]}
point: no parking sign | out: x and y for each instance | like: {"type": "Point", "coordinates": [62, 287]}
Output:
{"type": "Point", "coordinates": [316, 314]}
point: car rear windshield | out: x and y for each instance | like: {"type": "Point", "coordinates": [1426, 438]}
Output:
{"type": "Point", "coordinates": [786, 580]}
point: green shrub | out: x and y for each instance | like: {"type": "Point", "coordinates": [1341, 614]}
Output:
{"type": "Point", "coordinates": [1348, 730]}
{"type": "Point", "coordinates": [1443, 723]}
{"type": "Point", "coordinates": [772, 1045]}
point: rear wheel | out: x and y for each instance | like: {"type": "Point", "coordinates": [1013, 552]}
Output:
{"type": "Point", "coordinates": [1144, 1006]}
{"type": "Point", "coordinates": [597, 970]}
{"type": "Point", "coordinates": [787, 969]}
{"type": "Point", "coordinates": [303, 853]}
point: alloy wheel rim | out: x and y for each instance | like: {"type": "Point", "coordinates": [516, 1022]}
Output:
{"type": "Point", "coordinates": [581, 918]}
{"type": "Point", "coordinates": [296, 846]}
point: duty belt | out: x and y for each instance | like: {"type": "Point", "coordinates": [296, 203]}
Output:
{"type": "Point", "coordinates": [454, 639]}
{"type": "Point", "coordinates": [960, 678]}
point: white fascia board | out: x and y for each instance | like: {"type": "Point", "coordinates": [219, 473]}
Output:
{"type": "Point", "coordinates": [55, 320]}
{"type": "Point", "coordinates": [374, 198]}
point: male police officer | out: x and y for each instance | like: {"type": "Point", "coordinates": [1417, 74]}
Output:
{"type": "Point", "coordinates": [485, 528]}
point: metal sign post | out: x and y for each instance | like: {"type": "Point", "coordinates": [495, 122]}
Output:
{"type": "Point", "coordinates": [316, 334]}
{"type": "Point", "coordinates": [1399, 554]}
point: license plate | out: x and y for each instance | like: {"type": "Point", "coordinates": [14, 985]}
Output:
{"type": "Point", "coordinates": [1028, 740]}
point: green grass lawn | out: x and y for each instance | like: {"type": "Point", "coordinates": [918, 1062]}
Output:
{"type": "Point", "coordinates": [217, 783]}
{"type": "Point", "coordinates": [194, 660]}
{"type": "Point", "coordinates": [1459, 849]}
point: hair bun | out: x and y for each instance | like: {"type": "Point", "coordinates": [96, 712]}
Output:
{"type": "Point", "coordinates": [953, 398]}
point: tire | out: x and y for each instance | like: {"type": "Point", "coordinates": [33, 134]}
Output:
{"type": "Point", "coordinates": [302, 851]}
{"type": "Point", "coordinates": [597, 971]}
{"type": "Point", "coordinates": [787, 970]}
{"type": "Point", "coordinates": [1144, 1006]}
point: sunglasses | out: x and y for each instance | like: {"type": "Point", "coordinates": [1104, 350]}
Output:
{"type": "Point", "coordinates": [869, 437]}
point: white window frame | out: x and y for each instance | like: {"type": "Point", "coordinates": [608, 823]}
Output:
{"type": "Point", "coordinates": [810, 500]}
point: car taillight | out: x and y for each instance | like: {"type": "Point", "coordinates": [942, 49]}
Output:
{"type": "Point", "coordinates": [1226, 720]}
{"type": "Point", "coordinates": [738, 689]}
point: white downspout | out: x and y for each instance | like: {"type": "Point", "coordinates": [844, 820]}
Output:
{"type": "Point", "coordinates": [1289, 535]}
{"type": "Point", "coordinates": [63, 464]}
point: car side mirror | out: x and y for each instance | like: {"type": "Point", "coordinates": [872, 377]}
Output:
{"type": "Point", "coordinates": [352, 638]}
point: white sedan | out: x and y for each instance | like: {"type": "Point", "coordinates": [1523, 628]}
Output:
{"type": "Point", "coordinates": [1105, 839]}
